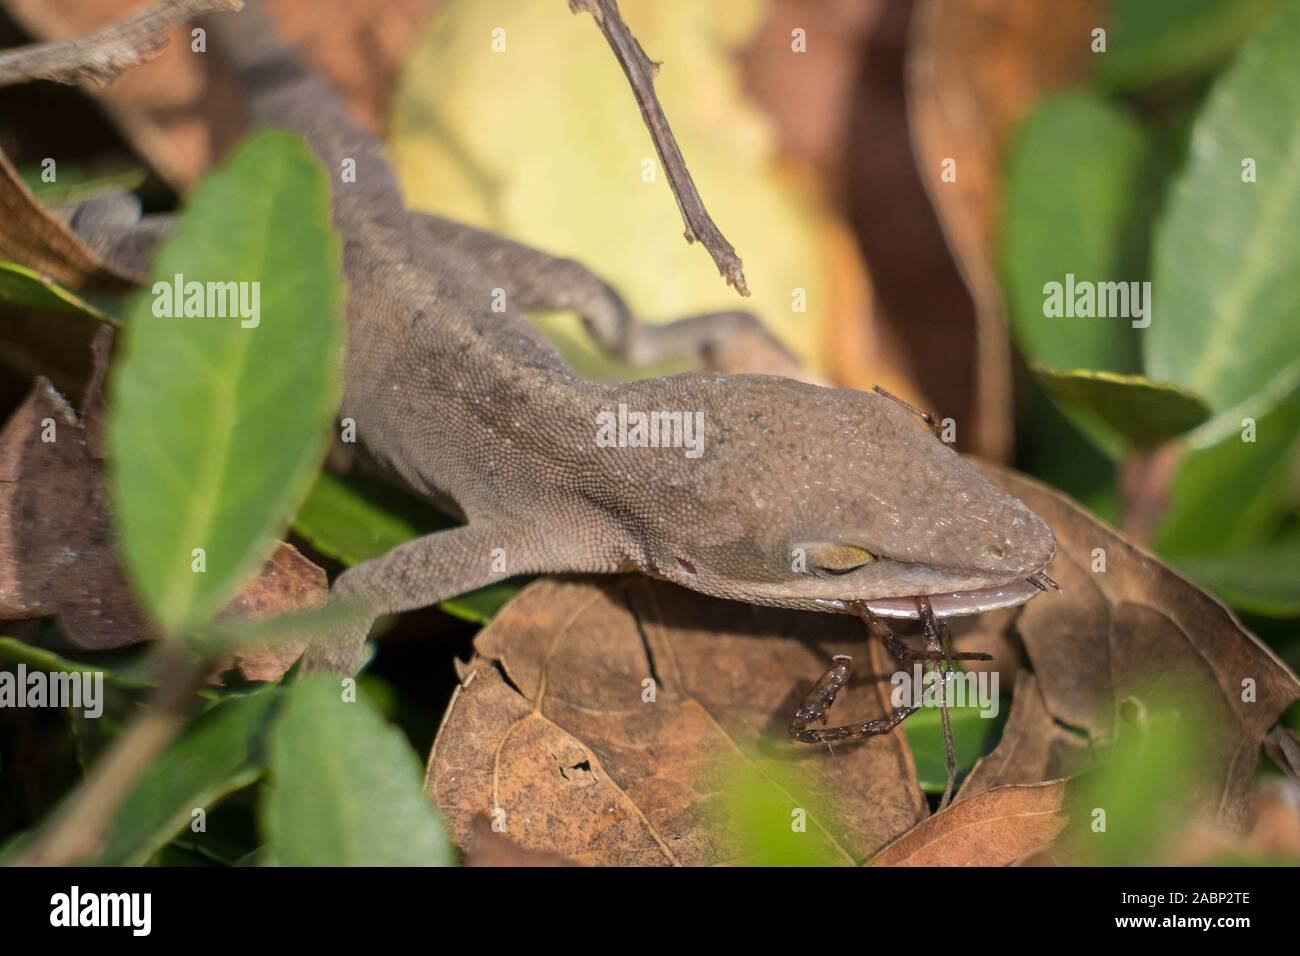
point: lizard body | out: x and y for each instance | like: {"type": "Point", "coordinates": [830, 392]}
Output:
{"type": "Point", "coordinates": [802, 496]}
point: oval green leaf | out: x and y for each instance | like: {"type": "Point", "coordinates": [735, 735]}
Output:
{"type": "Point", "coordinates": [219, 753]}
{"type": "Point", "coordinates": [1154, 42]}
{"type": "Point", "coordinates": [1229, 493]}
{"type": "Point", "coordinates": [1227, 266]}
{"type": "Point", "coordinates": [1080, 181]}
{"type": "Point", "coordinates": [1264, 581]}
{"type": "Point", "coordinates": [218, 424]}
{"type": "Point", "coordinates": [1137, 409]}
{"type": "Point", "coordinates": [345, 787]}
{"type": "Point", "coordinates": [26, 287]}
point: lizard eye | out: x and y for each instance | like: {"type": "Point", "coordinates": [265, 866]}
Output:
{"type": "Point", "coordinates": [685, 565]}
{"type": "Point", "coordinates": [838, 558]}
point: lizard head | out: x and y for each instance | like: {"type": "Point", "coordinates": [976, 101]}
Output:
{"type": "Point", "coordinates": [814, 497]}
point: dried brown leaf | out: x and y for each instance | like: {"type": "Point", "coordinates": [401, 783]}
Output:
{"type": "Point", "coordinates": [35, 342]}
{"type": "Point", "coordinates": [98, 58]}
{"type": "Point", "coordinates": [995, 828]}
{"type": "Point", "coordinates": [1137, 626]}
{"type": "Point", "coordinates": [1283, 746]}
{"type": "Point", "coordinates": [975, 68]}
{"type": "Point", "coordinates": [182, 111]}
{"type": "Point", "coordinates": [33, 236]}
{"type": "Point", "coordinates": [808, 94]}
{"type": "Point", "coordinates": [57, 554]}
{"type": "Point", "coordinates": [550, 726]}
{"type": "Point", "coordinates": [492, 849]}
{"type": "Point", "coordinates": [1034, 748]}
{"type": "Point", "coordinates": [807, 97]}
{"type": "Point", "coordinates": [921, 307]}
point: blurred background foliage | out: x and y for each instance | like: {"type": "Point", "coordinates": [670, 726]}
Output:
{"type": "Point", "coordinates": [1170, 154]}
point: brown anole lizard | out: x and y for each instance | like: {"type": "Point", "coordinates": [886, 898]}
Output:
{"type": "Point", "coordinates": [783, 493]}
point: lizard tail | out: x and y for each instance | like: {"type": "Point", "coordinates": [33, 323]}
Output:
{"type": "Point", "coordinates": [280, 91]}
{"type": "Point", "coordinates": [249, 43]}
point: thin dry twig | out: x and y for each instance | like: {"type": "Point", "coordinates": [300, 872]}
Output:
{"type": "Point", "coordinates": [77, 833]}
{"type": "Point", "coordinates": [641, 70]}
{"type": "Point", "coordinates": [98, 58]}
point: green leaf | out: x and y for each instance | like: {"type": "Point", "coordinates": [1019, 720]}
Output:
{"type": "Point", "coordinates": [27, 288]}
{"type": "Point", "coordinates": [1227, 492]}
{"type": "Point", "coordinates": [1227, 267]}
{"type": "Point", "coordinates": [765, 811]}
{"type": "Point", "coordinates": [1080, 180]}
{"type": "Point", "coordinates": [1152, 41]}
{"type": "Point", "coordinates": [1137, 409]}
{"type": "Point", "coordinates": [76, 185]}
{"type": "Point", "coordinates": [355, 519]}
{"type": "Point", "coordinates": [173, 855]}
{"type": "Point", "coordinates": [218, 429]}
{"type": "Point", "coordinates": [1146, 778]}
{"type": "Point", "coordinates": [345, 789]}
{"type": "Point", "coordinates": [219, 753]}
{"type": "Point", "coordinates": [1264, 581]}
{"type": "Point", "coordinates": [20, 652]}
{"type": "Point", "coordinates": [479, 607]}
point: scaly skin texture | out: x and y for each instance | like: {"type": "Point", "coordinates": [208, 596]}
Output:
{"type": "Point", "coordinates": [803, 496]}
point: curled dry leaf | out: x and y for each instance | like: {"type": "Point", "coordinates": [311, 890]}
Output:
{"type": "Point", "coordinates": [553, 730]}
{"type": "Point", "coordinates": [1033, 748]}
{"type": "Point", "coordinates": [1125, 623]}
{"type": "Point", "coordinates": [1283, 745]}
{"type": "Point", "coordinates": [975, 68]}
{"type": "Point", "coordinates": [808, 96]}
{"type": "Point", "coordinates": [57, 554]}
{"type": "Point", "coordinates": [807, 99]}
{"type": "Point", "coordinates": [35, 341]}
{"type": "Point", "coordinates": [288, 582]}
{"type": "Point", "coordinates": [921, 308]}
{"type": "Point", "coordinates": [181, 111]}
{"type": "Point", "coordinates": [33, 236]}
{"type": "Point", "coordinates": [1134, 625]}
{"type": "Point", "coordinates": [996, 828]}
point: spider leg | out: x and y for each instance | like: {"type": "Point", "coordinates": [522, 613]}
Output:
{"type": "Point", "coordinates": [937, 642]}
{"type": "Point", "coordinates": [817, 704]}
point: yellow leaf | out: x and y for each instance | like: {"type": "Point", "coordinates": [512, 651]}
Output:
{"type": "Point", "coordinates": [514, 115]}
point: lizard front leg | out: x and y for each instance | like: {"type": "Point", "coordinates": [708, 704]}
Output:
{"type": "Point", "coordinates": [733, 341]}
{"type": "Point", "coordinates": [435, 567]}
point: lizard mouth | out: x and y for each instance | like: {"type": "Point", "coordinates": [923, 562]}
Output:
{"type": "Point", "coordinates": [963, 603]}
